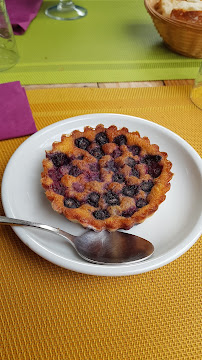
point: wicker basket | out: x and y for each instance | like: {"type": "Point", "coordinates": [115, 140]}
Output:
{"type": "Point", "coordinates": [182, 38]}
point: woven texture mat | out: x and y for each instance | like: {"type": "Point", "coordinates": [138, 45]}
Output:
{"type": "Point", "coordinates": [50, 313]}
{"type": "Point", "coordinates": [115, 42]}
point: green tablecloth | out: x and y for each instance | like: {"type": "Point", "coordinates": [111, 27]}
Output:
{"type": "Point", "coordinates": [115, 42]}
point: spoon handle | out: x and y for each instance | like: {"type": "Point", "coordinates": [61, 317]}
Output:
{"type": "Point", "coordinates": [4, 220]}
{"type": "Point", "coordinates": [11, 221]}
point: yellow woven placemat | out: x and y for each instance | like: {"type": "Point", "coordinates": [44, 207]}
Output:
{"type": "Point", "coordinates": [48, 312]}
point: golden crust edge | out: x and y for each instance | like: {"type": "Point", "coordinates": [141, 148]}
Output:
{"type": "Point", "coordinates": [111, 223]}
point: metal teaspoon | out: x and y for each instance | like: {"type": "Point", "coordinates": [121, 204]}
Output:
{"type": "Point", "coordinates": [98, 247]}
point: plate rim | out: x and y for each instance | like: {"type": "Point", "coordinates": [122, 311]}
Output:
{"type": "Point", "coordinates": [86, 268]}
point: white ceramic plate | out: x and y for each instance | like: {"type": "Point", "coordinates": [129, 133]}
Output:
{"type": "Point", "coordinates": [173, 229]}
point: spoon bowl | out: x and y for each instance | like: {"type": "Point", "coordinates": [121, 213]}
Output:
{"type": "Point", "coordinates": [98, 247]}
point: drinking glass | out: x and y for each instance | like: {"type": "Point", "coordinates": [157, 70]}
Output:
{"type": "Point", "coordinates": [65, 10]}
{"type": "Point", "coordinates": [196, 92]}
{"type": "Point", "coordinates": [8, 49]}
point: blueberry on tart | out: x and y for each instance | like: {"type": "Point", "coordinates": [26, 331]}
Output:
{"type": "Point", "coordinates": [106, 178]}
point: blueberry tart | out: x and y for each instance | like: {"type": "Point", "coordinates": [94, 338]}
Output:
{"type": "Point", "coordinates": [106, 178]}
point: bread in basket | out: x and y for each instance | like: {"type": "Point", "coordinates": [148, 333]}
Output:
{"type": "Point", "coordinates": [179, 23]}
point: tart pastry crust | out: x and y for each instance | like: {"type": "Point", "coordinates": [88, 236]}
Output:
{"type": "Point", "coordinates": [106, 178]}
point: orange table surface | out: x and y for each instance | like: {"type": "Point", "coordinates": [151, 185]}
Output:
{"type": "Point", "coordinates": [50, 313]}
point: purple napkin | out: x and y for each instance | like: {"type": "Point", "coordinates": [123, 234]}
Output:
{"type": "Point", "coordinates": [16, 117]}
{"type": "Point", "coordinates": [21, 13]}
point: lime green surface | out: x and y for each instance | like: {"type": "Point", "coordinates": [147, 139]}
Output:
{"type": "Point", "coordinates": [116, 41]}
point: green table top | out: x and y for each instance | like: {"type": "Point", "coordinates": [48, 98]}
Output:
{"type": "Point", "coordinates": [115, 42]}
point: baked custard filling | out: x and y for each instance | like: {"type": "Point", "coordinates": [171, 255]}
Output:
{"type": "Point", "coordinates": [106, 178]}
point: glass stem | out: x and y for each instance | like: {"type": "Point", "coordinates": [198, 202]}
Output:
{"type": "Point", "coordinates": [65, 5]}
